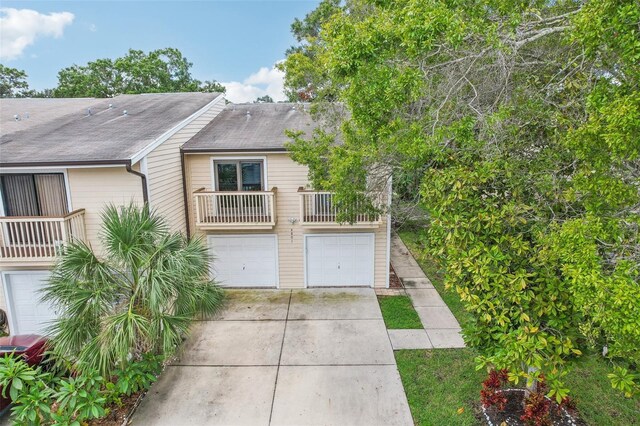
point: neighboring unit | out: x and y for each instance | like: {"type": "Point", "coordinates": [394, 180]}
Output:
{"type": "Point", "coordinates": [216, 172]}
{"type": "Point", "coordinates": [63, 160]}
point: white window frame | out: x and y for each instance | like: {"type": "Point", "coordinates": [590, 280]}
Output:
{"type": "Point", "coordinates": [212, 166]}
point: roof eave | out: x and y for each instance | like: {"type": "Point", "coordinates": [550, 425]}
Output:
{"type": "Point", "coordinates": [231, 150]}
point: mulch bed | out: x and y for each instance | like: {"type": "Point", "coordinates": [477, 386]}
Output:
{"type": "Point", "coordinates": [510, 416]}
{"type": "Point", "coordinates": [394, 281]}
{"type": "Point", "coordinates": [119, 415]}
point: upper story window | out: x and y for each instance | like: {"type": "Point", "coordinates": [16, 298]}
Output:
{"type": "Point", "coordinates": [240, 175]}
{"type": "Point", "coordinates": [34, 194]}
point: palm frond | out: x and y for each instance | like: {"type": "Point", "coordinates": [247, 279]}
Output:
{"type": "Point", "coordinates": [140, 297]}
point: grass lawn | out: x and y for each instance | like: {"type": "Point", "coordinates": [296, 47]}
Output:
{"type": "Point", "coordinates": [398, 312]}
{"type": "Point", "coordinates": [440, 381]}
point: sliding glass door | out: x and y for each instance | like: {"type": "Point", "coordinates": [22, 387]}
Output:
{"type": "Point", "coordinates": [34, 194]}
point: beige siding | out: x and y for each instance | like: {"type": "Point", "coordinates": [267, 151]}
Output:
{"type": "Point", "coordinates": [93, 189]}
{"type": "Point", "coordinates": [164, 171]}
{"type": "Point", "coordinates": [287, 176]}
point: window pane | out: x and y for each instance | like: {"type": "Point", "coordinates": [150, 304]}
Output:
{"type": "Point", "coordinates": [20, 197]}
{"type": "Point", "coordinates": [251, 176]}
{"type": "Point", "coordinates": [52, 195]}
{"type": "Point", "coordinates": [227, 177]}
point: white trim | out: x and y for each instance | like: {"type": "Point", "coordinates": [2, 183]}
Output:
{"type": "Point", "coordinates": [277, 252]}
{"type": "Point", "coordinates": [144, 171]}
{"type": "Point", "coordinates": [389, 195]}
{"type": "Point", "coordinates": [166, 135]}
{"type": "Point", "coordinates": [213, 159]}
{"type": "Point", "coordinates": [69, 166]}
{"type": "Point", "coordinates": [239, 153]}
{"type": "Point", "coordinates": [7, 293]}
{"type": "Point", "coordinates": [341, 234]}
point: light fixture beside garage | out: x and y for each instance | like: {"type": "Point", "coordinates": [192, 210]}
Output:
{"type": "Point", "coordinates": [292, 221]}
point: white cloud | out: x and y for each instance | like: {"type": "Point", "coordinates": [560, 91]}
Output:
{"type": "Point", "coordinates": [266, 81]}
{"type": "Point", "coordinates": [19, 28]}
{"type": "Point", "coordinates": [93, 28]}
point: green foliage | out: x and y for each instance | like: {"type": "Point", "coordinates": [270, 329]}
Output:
{"type": "Point", "coordinates": [266, 99]}
{"type": "Point", "coordinates": [15, 375]}
{"type": "Point", "coordinates": [138, 376]}
{"type": "Point", "coordinates": [159, 71]}
{"type": "Point", "coordinates": [13, 82]}
{"type": "Point", "coordinates": [43, 398]}
{"type": "Point", "coordinates": [517, 126]}
{"type": "Point", "coordinates": [304, 80]}
{"type": "Point", "coordinates": [139, 298]}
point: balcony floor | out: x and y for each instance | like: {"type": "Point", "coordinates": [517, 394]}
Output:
{"type": "Point", "coordinates": [237, 222]}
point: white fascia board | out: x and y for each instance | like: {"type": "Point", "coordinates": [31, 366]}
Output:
{"type": "Point", "coordinates": [166, 135]}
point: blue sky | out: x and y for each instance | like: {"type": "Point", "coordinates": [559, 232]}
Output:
{"type": "Point", "coordinates": [236, 42]}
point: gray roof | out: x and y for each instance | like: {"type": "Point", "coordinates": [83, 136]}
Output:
{"type": "Point", "coordinates": [60, 131]}
{"type": "Point", "coordinates": [252, 127]}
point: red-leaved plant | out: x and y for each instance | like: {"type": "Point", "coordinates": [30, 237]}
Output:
{"type": "Point", "coordinates": [489, 394]}
{"type": "Point", "coordinates": [537, 408]}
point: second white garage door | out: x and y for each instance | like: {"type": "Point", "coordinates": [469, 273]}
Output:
{"type": "Point", "coordinates": [339, 260]}
{"type": "Point", "coordinates": [244, 260]}
{"type": "Point", "coordinates": [28, 315]}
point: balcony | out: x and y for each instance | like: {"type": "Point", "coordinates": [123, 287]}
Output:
{"type": "Point", "coordinates": [318, 210]}
{"type": "Point", "coordinates": [218, 210]}
{"type": "Point", "coordinates": [37, 240]}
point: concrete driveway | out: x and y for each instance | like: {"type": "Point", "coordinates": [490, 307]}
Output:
{"type": "Point", "coordinates": [308, 357]}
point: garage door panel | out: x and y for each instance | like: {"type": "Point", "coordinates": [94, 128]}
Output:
{"type": "Point", "coordinates": [339, 260]}
{"type": "Point", "coordinates": [244, 261]}
{"type": "Point", "coordinates": [28, 314]}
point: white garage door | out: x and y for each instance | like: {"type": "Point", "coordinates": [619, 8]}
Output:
{"type": "Point", "coordinates": [27, 314]}
{"type": "Point", "coordinates": [244, 260]}
{"type": "Point", "coordinates": [339, 260]}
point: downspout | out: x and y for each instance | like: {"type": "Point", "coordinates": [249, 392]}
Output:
{"type": "Point", "coordinates": [143, 178]}
{"type": "Point", "coordinates": [184, 194]}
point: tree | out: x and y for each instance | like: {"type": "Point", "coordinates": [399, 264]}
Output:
{"type": "Point", "coordinates": [303, 80]}
{"type": "Point", "coordinates": [138, 298]}
{"type": "Point", "coordinates": [263, 99]}
{"type": "Point", "coordinates": [211, 86]}
{"type": "Point", "coordinates": [13, 82]}
{"type": "Point", "coordinates": [516, 124]}
{"type": "Point", "coordinates": [159, 71]}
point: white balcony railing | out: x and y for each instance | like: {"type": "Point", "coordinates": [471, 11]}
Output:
{"type": "Point", "coordinates": [319, 209]}
{"type": "Point", "coordinates": [235, 209]}
{"type": "Point", "coordinates": [39, 238]}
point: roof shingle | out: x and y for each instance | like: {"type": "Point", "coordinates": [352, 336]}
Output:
{"type": "Point", "coordinates": [252, 127]}
{"type": "Point", "coordinates": [62, 130]}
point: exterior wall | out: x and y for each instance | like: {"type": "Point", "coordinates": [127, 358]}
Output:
{"type": "Point", "coordinates": [164, 171]}
{"type": "Point", "coordinates": [287, 176]}
{"type": "Point", "coordinates": [93, 188]}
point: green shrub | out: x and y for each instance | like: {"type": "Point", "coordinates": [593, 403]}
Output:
{"type": "Point", "coordinates": [43, 398]}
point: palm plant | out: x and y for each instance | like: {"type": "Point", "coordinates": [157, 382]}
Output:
{"type": "Point", "coordinates": [138, 297]}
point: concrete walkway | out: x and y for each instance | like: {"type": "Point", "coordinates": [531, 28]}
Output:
{"type": "Point", "coordinates": [308, 357]}
{"type": "Point", "coordinates": [441, 329]}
